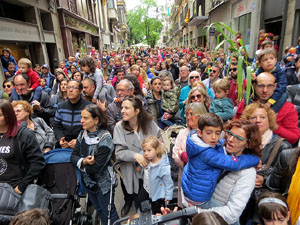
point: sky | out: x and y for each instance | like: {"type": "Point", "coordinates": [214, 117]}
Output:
{"type": "Point", "coordinates": [130, 4]}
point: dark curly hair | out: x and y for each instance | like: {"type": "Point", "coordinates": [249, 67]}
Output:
{"type": "Point", "coordinates": [88, 61]}
{"type": "Point", "coordinates": [252, 134]}
{"type": "Point", "coordinates": [95, 111]}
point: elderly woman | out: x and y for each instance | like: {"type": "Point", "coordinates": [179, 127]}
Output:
{"type": "Point", "coordinates": [179, 155]}
{"type": "Point", "coordinates": [42, 131]}
{"type": "Point", "coordinates": [265, 118]}
{"type": "Point", "coordinates": [129, 133]}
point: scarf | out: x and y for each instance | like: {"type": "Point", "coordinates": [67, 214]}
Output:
{"type": "Point", "coordinates": [266, 138]}
{"type": "Point", "coordinates": [294, 195]}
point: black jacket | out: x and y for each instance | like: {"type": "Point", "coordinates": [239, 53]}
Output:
{"type": "Point", "coordinates": [280, 178]}
{"type": "Point", "coordinates": [29, 155]}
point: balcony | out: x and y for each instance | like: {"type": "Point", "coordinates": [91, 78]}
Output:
{"type": "Point", "coordinates": [124, 28]}
{"type": "Point", "coordinates": [112, 15]}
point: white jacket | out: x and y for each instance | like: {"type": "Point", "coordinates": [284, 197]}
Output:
{"type": "Point", "coordinates": [233, 193]}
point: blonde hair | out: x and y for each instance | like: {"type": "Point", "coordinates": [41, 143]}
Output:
{"type": "Point", "coordinates": [25, 61]}
{"type": "Point", "coordinates": [154, 143]}
{"type": "Point", "coordinates": [249, 110]}
{"type": "Point", "coordinates": [222, 84]}
{"type": "Point", "coordinates": [142, 73]}
{"type": "Point", "coordinates": [203, 92]}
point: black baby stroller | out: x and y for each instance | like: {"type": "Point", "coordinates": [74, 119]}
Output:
{"type": "Point", "coordinates": [59, 177]}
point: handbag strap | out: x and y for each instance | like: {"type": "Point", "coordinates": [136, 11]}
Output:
{"type": "Point", "coordinates": [274, 152]}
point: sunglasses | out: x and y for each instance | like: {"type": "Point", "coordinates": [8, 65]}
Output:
{"type": "Point", "coordinates": [7, 86]}
{"type": "Point", "coordinates": [232, 69]}
{"type": "Point", "coordinates": [214, 71]}
{"type": "Point", "coordinates": [194, 77]}
{"type": "Point", "coordinates": [198, 96]}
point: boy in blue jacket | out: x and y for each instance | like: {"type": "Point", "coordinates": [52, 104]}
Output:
{"type": "Point", "coordinates": [207, 159]}
{"type": "Point", "coordinates": [221, 105]}
{"type": "Point", "coordinates": [268, 63]}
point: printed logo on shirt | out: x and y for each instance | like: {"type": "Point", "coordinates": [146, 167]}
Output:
{"type": "Point", "coordinates": [3, 166]}
{"type": "Point", "coordinates": [5, 149]}
{"type": "Point", "coordinates": [234, 158]}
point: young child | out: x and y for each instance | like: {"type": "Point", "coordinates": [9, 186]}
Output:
{"type": "Point", "coordinates": [25, 66]}
{"type": "Point", "coordinates": [118, 65]}
{"type": "Point", "coordinates": [136, 71]}
{"type": "Point", "coordinates": [207, 160]}
{"type": "Point", "coordinates": [221, 105]}
{"type": "Point", "coordinates": [89, 68]}
{"type": "Point", "coordinates": [273, 209]}
{"type": "Point", "coordinates": [268, 63]}
{"type": "Point", "coordinates": [44, 86]}
{"type": "Point", "coordinates": [169, 101]}
{"type": "Point", "coordinates": [158, 185]}
{"type": "Point", "coordinates": [6, 57]}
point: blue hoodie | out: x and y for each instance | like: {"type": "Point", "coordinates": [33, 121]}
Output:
{"type": "Point", "coordinates": [5, 62]}
{"type": "Point", "coordinates": [160, 181]}
{"type": "Point", "coordinates": [200, 175]}
{"type": "Point", "coordinates": [280, 79]}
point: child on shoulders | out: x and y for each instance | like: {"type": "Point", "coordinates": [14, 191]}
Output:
{"type": "Point", "coordinates": [25, 67]}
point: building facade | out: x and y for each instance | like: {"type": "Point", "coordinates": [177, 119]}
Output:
{"type": "Point", "coordinates": [189, 17]}
{"type": "Point", "coordinates": [31, 29]}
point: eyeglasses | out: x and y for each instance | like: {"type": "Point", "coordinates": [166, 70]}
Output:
{"type": "Point", "coordinates": [262, 86]}
{"type": "Point", "coordinates": [72, 88]}
{"type": "Point", "coordinates": [6, 86]}
{"type": "Point", "coordinates": [19, 110]}
{"type": "Point", "coordinates": [198, 96]}
{"type": "Point", "coordinates": [232, 69]}
{"type": "Point", "coordinates": [121, 90]}
{"type": "Point", "coordinates": [194, 77]}
{"type": "Point", "coordinates": [236, 138]}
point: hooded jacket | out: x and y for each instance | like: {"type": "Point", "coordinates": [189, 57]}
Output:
{"type": "Point", "coordinates": [205, 164]}
{"type": "Point", "coordinates": [222, 107]}
{"type": "Point", "coordinates": [160, 182]}
{"type": "Point", "coordinates": [29, 156]}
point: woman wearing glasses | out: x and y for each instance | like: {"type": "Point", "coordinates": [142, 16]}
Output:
{"type": "Point", "coordinates": [199, 94]}
{"type": "Point", "coordinates": [234, 188]}
{"type": "Point", "coordinates": [265, 118]}
{"type": "Point", "coordinates": [184, 92]}
{"type": "Point", "coordinates": [193, 111]}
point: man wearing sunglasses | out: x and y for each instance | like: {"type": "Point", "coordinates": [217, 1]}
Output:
{"type": "Point", "coordinates": [214, 75]}
{"type": "Point", "coordinates": [233, 91]}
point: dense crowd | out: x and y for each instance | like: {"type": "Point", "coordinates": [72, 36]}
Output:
{"type": "Point", "coordinates": [234, 155]}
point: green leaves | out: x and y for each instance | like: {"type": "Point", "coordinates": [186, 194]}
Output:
{"type": "Point", "coordinates": [240, 77]}
{"type": "Point", "coordinates": [249, 84]}
{"type": "Point", "coordinates": [144, 27]}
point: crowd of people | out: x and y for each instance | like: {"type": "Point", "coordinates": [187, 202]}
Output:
{"type": "Point", "coordinates": [235, 155]}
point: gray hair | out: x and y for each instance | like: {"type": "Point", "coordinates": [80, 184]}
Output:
{"type": "Point", "coordinates": [191, 74]}
{"type": "Point", "coordinates": [197, 107]}
{"type": "Point", "coordinates": [130, 85]}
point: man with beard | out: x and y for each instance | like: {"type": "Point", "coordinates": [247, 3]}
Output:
{"type": "Point", "coordinates": [233, 91]}
{"type": "Point", "coordinates": [214, 75]}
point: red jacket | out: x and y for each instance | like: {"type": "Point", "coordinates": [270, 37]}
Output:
{"type": "Point", "coordinates": [287, 120]}
{"type": "Point", "coordinates": [33, 78]}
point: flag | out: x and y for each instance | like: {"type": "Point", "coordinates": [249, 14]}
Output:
{"type": "Point", "coordinates": [187, 18]}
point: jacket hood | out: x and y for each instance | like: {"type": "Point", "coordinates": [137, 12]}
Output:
{"type": "Point", "coordinates": [163, 162]}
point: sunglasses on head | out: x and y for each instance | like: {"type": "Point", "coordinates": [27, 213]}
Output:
{"type": "Point", "coordinates": [232, 69]}
{"type": "Point", "coordinates": [193, 97]}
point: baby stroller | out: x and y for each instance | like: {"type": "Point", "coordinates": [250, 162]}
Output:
{"type": "Point", "coordinates": [59, 178]}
